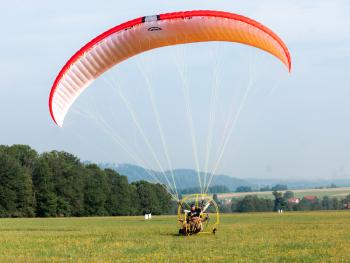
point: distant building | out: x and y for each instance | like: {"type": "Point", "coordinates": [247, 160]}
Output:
{"type": "Point", "coordinates": [347, 206]}
{"type": "Point", "coordinates": [310, 198]}
{"type": "Point", "coordinates": [294, 200]}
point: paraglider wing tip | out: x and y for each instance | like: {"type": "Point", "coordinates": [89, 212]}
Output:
{"type": "Point", "coordinates": [59, 124]}
{"type": "Point", "coordinates": [53, 115]}
{"type": "Point", "coordinates": [289, 65]}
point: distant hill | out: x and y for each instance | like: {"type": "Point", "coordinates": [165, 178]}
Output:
{"type": "Point", "coordinates": [187, 178]}
{"type": "Point", "coordinates": [184, 178]}
{"type": "Point", "coordinates": [297, 183]}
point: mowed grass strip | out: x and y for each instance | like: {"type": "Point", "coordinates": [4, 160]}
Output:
{"type": "Point", "coordinates": [255, 237]}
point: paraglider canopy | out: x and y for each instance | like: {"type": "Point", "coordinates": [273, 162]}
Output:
{"type": "Point", "coordinates": [150, 32]}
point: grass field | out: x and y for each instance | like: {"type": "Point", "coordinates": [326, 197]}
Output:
{"type": "Point", "coordinates": [340, 192]}
{"type": "Point", "coordinates": [259, 237]}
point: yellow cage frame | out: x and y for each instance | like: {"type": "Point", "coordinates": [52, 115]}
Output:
{"type": "Point", "coordinates": [209, 228]}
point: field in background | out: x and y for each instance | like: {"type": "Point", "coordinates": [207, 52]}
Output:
{"type": "Point", "coordinates": [331, 192]}
{"type": "Point", "coordinates": [259, 237]}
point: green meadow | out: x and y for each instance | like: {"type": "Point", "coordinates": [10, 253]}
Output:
{"type": "Point", "coordinates": [256, 237]}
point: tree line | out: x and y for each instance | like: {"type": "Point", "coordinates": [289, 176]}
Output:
{"type": "Point", "coordinates": [211, 190]}
{"type": "Point", "coordinates": [57, 184]}
{"type": "Point", "coordinates": [253, 203]}
{"type": "Point", "coordinates": [277, 187]}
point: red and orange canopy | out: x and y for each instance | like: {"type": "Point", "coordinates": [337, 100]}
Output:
{"type": "Point", "coordinates": [146, 33]}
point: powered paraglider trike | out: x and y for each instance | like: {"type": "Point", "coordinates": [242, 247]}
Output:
{"type": "Point", "coordinates": [198, 214]}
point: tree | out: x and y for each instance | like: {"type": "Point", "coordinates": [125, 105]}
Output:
{"type": "Point", "coordinates": [191, 190]}
{"type": "Point", "coordinates": [243, 189]}
{"type": "Point", "coordinates": [247, 204]}
{"type": "Point", "coordinates": [251, 203]}
{"type": "Point", "coordinates": [327, 203]}
{"type": "Point", "coordinates": [288, 194]}
{"type": "Point", "coordinates": [16, 193]}
{"type": "Point", "coordinates": [119, 201]}
{"type": "Point", "coordinates": [279, 203]}
{"type": "Point", "coordinates": [163, 197]}
{"type": "Point", "coordinates": [307, 204]}
{"type": "Point", "coordinates": [336, 204]}
{"type": "Point", "coordinates": [279, 187]}
{"type": "Point", "coordinates": [218, 189]}
{"type": "Point", "coordinates": [345, 203]}
{"type": "Point", "coordinates": [135, 208]}
{"type": "Point", "coordinates": [44, 189]}
{"type": "Point", "coordinates": [58, 184]}
{"type": "Point", "coordinates": [95, 191]}
{"type": "Point", "coordinates": [332, 186]}
{"type": "Point", "coordinates": [69, 180]}
{"type": "Point", "coordinates": [25, 155]}
{"type": "Point", "coordinates": [216, 199]}
{"type": "Point", "coordinates": [147, 198]}
{"type": "Point", "coordinates": [212, 189]}
{"type": "Point", "coordinates": [265, 188]}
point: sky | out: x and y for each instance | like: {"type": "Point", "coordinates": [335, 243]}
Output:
{"type": "Point", "coordinates": [290, 125]}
